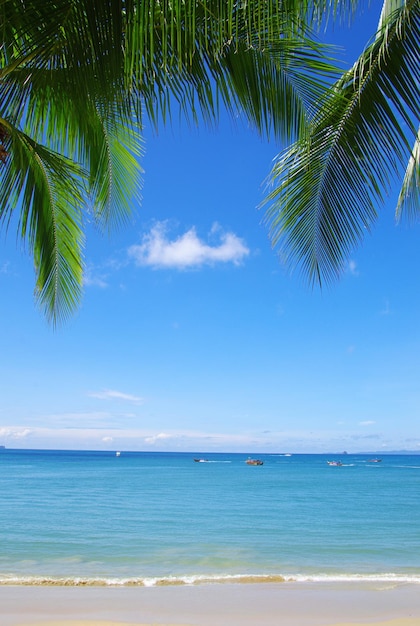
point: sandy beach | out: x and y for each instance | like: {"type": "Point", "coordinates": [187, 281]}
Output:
{"type": "Point", "coordinates": [288, 604]}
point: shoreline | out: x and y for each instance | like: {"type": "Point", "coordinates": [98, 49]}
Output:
{"type": "Point", "coordinates": [289, 604]}
{"type": "Point", "coordinates": [195, 580]}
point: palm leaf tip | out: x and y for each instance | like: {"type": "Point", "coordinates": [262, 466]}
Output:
{"type": "Point", "coordinates": [409, 198]}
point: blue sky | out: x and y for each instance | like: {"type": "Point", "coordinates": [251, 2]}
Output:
{"type": "Point", "coordinates": [193, 337]}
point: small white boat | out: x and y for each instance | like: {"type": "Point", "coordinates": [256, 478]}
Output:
{"type": "Point", "coordinates": [336, 463]}
{"type": "Point", "coordinates": [118, 454]}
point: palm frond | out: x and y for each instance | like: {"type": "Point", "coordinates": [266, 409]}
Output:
{"type": "Point", "coordinates": [409, 198]}
{"type": "Point", "coordinates": [328, 185]}
{"type": "Point", "coordinates": [116, 172]}
{"type": "Point", "coordinates": [247, 54]}
{"type": "Point", "coordinates": [47, 188]}
{"type": "Point", "coordinates": [102, 163]}
{"type": "Point", "coordinates": [275, 88]}
{"type": "Point", "coordinates": [75, 76]}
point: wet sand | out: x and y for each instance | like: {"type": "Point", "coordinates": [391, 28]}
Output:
{"type": "Point", "coordinates": [287, 604]}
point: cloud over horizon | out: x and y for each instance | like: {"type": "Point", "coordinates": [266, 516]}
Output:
{"type": "Point", "coordinates": [112, 394]}
{"type": "Point", "coordinates": [140, 439]}
{"type": "Point", "coordinates": [187, 250]}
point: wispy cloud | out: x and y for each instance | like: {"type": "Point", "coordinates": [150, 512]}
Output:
{"type": "Point", "coordinates": [386, 310]}
{"type": "Point", "coordinates": [367, 423]}
{"type": "Point", "coordinates": [129, 438]}
{"type": "Point", "coordinates": [187, 251]}
{"type": "Point", "coordinates": [112, 394]}
{"type": "Point", "coordinates": [352, 268]}
{"type": "Point", "coordinates": [159, 438]}
{"type": "Point", "coordinates": [93, 278]}
{"type": "Point", "coordinates": [15, 433]}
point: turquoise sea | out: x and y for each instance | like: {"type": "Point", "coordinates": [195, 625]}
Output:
{"type": "Point", "coordinates": [160, 518]}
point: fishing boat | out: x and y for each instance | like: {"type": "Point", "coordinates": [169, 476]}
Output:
{"type": "Point", "coordinates": [201, 460]}
{"type": "Point", "coordinates": [254, 462]}
{"type": "Point", "coordinates": [336, 463]}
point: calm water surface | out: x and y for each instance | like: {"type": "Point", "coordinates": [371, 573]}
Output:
{"type": "Point", "coordinates": [144, 518]}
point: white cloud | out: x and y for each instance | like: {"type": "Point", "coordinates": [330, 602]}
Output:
{"type": "Point", "coordinates": [187, 250]}
{"type": "Point", "coordinates": [160, 437]}
{"type": "Point", "coordinates": [93, 279]}
{"type": "Point", "coordinates": [14, 433]}
{"type": "Point", "coordinates": [93, 438]}
{"type": "Point", "coordinates": [367, 423]}
{"type": "Point", "coordinates": [352, 268]}
{"type": "Point", "coordinates": [111, 394]}
{"type": "Point", "coordinates": [386, 310]}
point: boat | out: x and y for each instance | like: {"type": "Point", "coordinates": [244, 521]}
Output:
{"type": "Point", "coordinates": [375, 461]}
{"type": "Point", "coordinates": [201, 460]}
{"type": "Point", "coordinates": [118, 454]}
{"type": "Point", "coordinates": [336, 463]}
{"type": "Point", "coordinates": [254, 462]}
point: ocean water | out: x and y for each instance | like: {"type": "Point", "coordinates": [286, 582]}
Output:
{"type": "Point", "coordinates": [159, 518]}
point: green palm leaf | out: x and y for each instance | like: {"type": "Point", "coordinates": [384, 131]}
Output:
{"type": "Point", "coordinates": [76, 77]}
{"type": "Point", "coordinates": [101, 170]}
{"type": "Point", "coordinates": [46, 186]}
{"type": "Point", "coordinates": [409, 198]}
{"type": "Point", "coordinates": [328, 185]}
